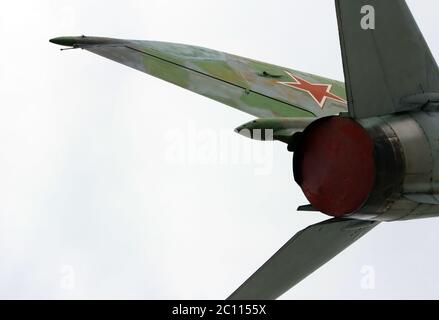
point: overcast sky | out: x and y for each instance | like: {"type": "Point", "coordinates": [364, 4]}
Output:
{"type": "Point", "coordinates": [94, 205]}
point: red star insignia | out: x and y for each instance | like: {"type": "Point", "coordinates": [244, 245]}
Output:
{"type": "Point", "coordinates": [318, 91]}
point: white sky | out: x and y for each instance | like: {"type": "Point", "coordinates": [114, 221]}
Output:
{"type": "Point", "coordinates": [91, 206]}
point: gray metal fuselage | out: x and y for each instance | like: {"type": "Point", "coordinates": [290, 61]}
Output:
{"type": "Point", "coordinates": [408, 172]}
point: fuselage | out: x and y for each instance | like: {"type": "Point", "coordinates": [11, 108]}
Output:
{"type": "Point", "coordinates": [382, 168]}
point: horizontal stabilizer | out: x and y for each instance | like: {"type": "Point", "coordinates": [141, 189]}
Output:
{"type": "Point", "coordinates": [260, 89]}
{"type": "Point", "coordinates": [303, 254]}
